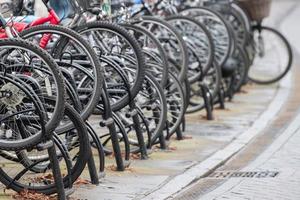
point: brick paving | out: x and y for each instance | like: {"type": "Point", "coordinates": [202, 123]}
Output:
{"type": "Point", "coordinates": [286, 185]}
{"type": "Point", "coordinates": [282, 156]}
{"type": "Point", "coordinates": [207, 138]}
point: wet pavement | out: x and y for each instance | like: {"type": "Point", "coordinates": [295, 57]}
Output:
{"type": "Point", "coordinates": [205, 138]}
{"type": "Point", "coordinates": [274, 150]}
{"type": "Point", "coordinates": [149, 179]}
{"type": "Point", "coordinates": [144, 178]}
{"type": "Point", "coordinates": [281, 160]}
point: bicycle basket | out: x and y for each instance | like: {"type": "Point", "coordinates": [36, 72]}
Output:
{"type": "Point", "coordinates": [257, 9]}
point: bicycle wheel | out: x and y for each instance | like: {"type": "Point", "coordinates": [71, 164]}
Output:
{"type": "Point", "coordinates": [156, 58]}
{"type": "Point", "coordinates": [72, 146]}
{"type": "Point", "coordinates": [199, 44]}
{"type": "Point", "coordinates": [184, 85]}
{"type": "Point", "coordinates": [34, 61]}
{"type": "Point", "coordinates": [273, 56]}
{"type": "Point", "coordinates": [130, 127]}
{"type": "Point", "coordinates": [171, 40]}
{"type": "Point", "coordinates": [236, 20]}
{"type": "Point", "coordinates": [117, 78]}
{"type": "Point", "coordinates": [176, 106]}
{"type": "Point", "coordinates": [112, 40]}
{"type": "Point", "coordinates": [240, 74]}
{"type": "Point", "coordinates": [152, 104]}
{"type": "Point", "coordinates": [212, 81]}
{"type": "Point", "coordinates": [218, 28]}
{"type": "Point", "coordinates": [21, 110]}
{"type": "Point", "coordinates": [68, 46]}
{"type": "Point", "coordinates": [105, 136]}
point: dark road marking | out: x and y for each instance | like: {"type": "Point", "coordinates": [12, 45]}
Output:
{"type": "Point", "coordinates": [243, 174]}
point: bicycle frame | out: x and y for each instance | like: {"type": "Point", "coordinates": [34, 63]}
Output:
{"type": "Point", "coordinates": [52, 18]}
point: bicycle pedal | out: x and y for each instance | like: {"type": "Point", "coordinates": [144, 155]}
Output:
{"type": "Point", "coordinates": [44, 146]}
{"type": "Point", "coordinates": [106, 122]}
{"type": "Point", "coordinates": [69, 191]}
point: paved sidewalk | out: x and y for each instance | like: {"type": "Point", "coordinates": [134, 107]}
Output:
{"type": "Point", "coordinates": [282, 156]}
{"type": "Point", "coordinates": [145, 177]}
{"type": "Point", "coordinates": [207, 137]}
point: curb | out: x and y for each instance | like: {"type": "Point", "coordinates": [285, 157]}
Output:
{"type": "Point", "coordinates": [173, 186]}
{"type": "Point", "coordinates": [287, 134]}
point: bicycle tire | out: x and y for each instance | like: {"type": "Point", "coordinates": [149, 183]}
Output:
{"type": "Point", "coordinates": [205, 60]}
{"type": "Point", "coordinates": [198, 13]}
{"type": "Point", "coordinates": [68, 34]}
{"type": "Point", "coordinates": [158, 46]}
{"type": "Point", "coordinates": [76, 169]}
{"type": "Point", "coordinates": [140, 60]}
{"type": "Point", "coordinates": [289, 54]}
{"type": "Point", "coordinates": [143, 20]}
{"type": "Point", "coordinates": [58, 80]}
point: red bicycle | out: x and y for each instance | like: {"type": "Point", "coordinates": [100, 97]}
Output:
{"type": "Point", "coordinates": [18, 27]}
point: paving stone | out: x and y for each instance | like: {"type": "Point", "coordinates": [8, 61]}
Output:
{"type": "Point", "coordinates": [207, 138]}
{"type": "Point", "coordinates": [285, 159]}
